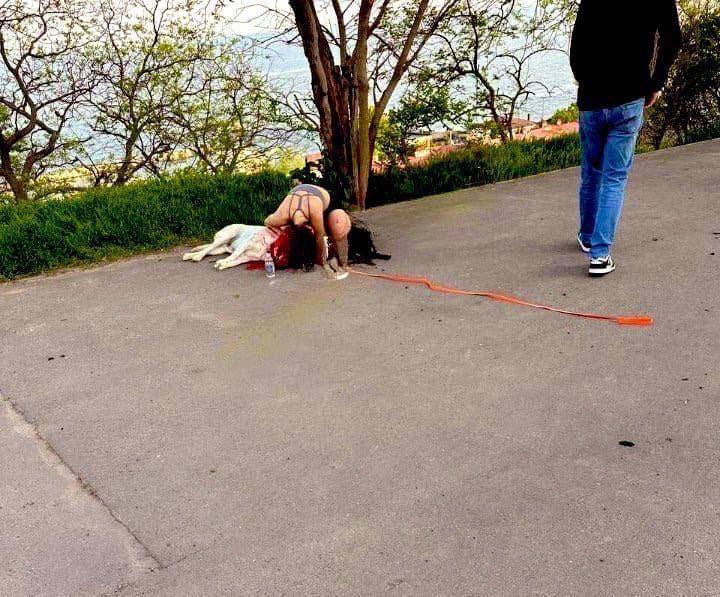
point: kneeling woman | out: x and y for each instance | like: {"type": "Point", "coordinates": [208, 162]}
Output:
{"type": "Point", "coordinates": [311, 205]}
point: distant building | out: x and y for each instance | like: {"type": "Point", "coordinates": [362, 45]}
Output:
{"type": "Point", "coordinates": [522, 126]}
{"type": "Point", "coordinates": [548, 131]}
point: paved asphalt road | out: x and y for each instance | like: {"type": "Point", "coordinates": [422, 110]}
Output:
{"type": "Point", "coordinates": [167, 429]}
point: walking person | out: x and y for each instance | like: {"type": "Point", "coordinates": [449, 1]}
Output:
{"type": "Point", "coordinates": [620, 55]}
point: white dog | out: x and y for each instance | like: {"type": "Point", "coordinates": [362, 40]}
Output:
{"type": "Point", "coordinates": [244, 243]}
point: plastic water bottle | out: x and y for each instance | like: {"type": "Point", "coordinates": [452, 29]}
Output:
{"type": "Point", "coordinates": [269, 264]}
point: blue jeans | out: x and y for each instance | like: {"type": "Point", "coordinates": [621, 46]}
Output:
{"type": "Point", "coordinates": [608, 138]}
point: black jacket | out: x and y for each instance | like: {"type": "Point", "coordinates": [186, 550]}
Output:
{"type": "Point", "coordinates": [614, 45]}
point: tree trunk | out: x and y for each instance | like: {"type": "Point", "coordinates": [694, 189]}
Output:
{"type": "Point", "coordinates": [19, 189]}
{"type": "Point", "coordinates": [364, 138]}
{"type": "Point", "coordinates": [333, 93]}
{"type": "Point", "coordinates": [17, 185]}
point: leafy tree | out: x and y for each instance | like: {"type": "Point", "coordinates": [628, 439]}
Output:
{"type": "Point", "coordinates": [691, 99]}
{"type": "Point", "coordinates": [43, 76]}
{"type": "Point", "coordinates": [233, 118]}
{"type": "Point", "coordinates": [569, 114]}
{"type": "Point", "coordinates": [146, 61]}
{"type": "Point", "coordinates": [419, 109]}
{"type": "Point", "coordinates": [485, 50]}
{"type": "Point", "coordinates": [357, 57]}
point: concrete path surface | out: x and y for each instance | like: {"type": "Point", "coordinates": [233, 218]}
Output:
{"type": "Point", "coordinates": [167, 429]}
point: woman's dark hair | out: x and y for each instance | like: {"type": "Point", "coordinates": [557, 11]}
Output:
{"type": "Point", "coordinates": [361, 247]}
{"type": "Point", "coordinates": [302, 248]}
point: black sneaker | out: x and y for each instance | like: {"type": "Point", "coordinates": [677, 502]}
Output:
{"type": "Point", "coordinates": [601, 266]}
{"type": "Point", "coordinates": [583, 247]}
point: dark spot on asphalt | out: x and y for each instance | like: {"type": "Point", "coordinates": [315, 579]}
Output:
{"type": "Point", "coordinates": [626, 443]}
{"type": "Point", "coordinates": [62, 356]}
{"type": "Point", "coordinates": [407, 287]}
{"type": "Point", "coordinates": [655, 239]}
{"type": "Point", "coordinates": [685, 379]}
{"type": "Point", "coordinates": [564, 294]}
{"type": "Point", "coordinates": [602, 560]}
{"type": "Point", "coordinates": [212, 470]}
{"type": "Point", "coordinates": [712, 253]}
{"type": "Point", "coordinates": [51, 358]}
{"type": "Point", "coordinates": [668, 439]}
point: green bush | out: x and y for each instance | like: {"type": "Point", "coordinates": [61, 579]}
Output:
{"type": "Point", "coordinates": [702, 133]}
{"type": "Point", "coordinates": [472, 166]}
{"type": "Point", "coordinates": [109, 222]}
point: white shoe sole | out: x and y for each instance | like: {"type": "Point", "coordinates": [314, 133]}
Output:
{"type": "Point", "coordinates": [601, 271]}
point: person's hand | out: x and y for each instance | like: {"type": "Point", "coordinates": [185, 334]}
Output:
{"type": "Point", "coordinates": [334, 271]}
{"type": "Point", "coordinates": [651, 98]}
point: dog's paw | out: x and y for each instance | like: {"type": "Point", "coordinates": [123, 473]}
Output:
{"type": "Point", "coordinates": [222, 264]}
{"type": "Point", "coordinates": [188, 256]}
{"type": "Point", "coordinates": [197, 257]}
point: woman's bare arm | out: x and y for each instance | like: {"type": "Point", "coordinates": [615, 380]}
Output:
{"type": "Point", "coordinates": [318, 225]}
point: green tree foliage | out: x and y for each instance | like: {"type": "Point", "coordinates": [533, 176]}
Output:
{"type": "Point", "coordinates": [419, 109]}
{"type": "Point", "coordinates": [147, 60]}
{"type": "Point", "coordinates": [564, 115]}
{"type": "Point", "coordinates": [485, 50]}
{"type": "Point", "coordinates": [231, 117]}
{"type": "Point", "coordinates": [43, 77]}
{"type": "Point", "coordinates": [689, 108]}
{"type": "Point", "coordinates": [103, 92]}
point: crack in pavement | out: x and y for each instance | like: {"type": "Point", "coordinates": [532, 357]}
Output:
{"type": "Point", "coordinates": [25, 428]}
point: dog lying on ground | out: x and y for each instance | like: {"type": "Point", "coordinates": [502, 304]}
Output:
{"type": "Point", "coordinates": [250, 243]}
{"type": "Point", "coordinates": [244, 243]}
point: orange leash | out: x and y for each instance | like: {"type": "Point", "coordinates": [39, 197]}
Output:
{"type": "Point", "coordinates": [638, 320]}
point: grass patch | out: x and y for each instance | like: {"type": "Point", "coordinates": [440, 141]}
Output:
{"type": "Point", "coordinates": [473, 166]}
{"type": "Point", "coordinates": [107, 223]}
